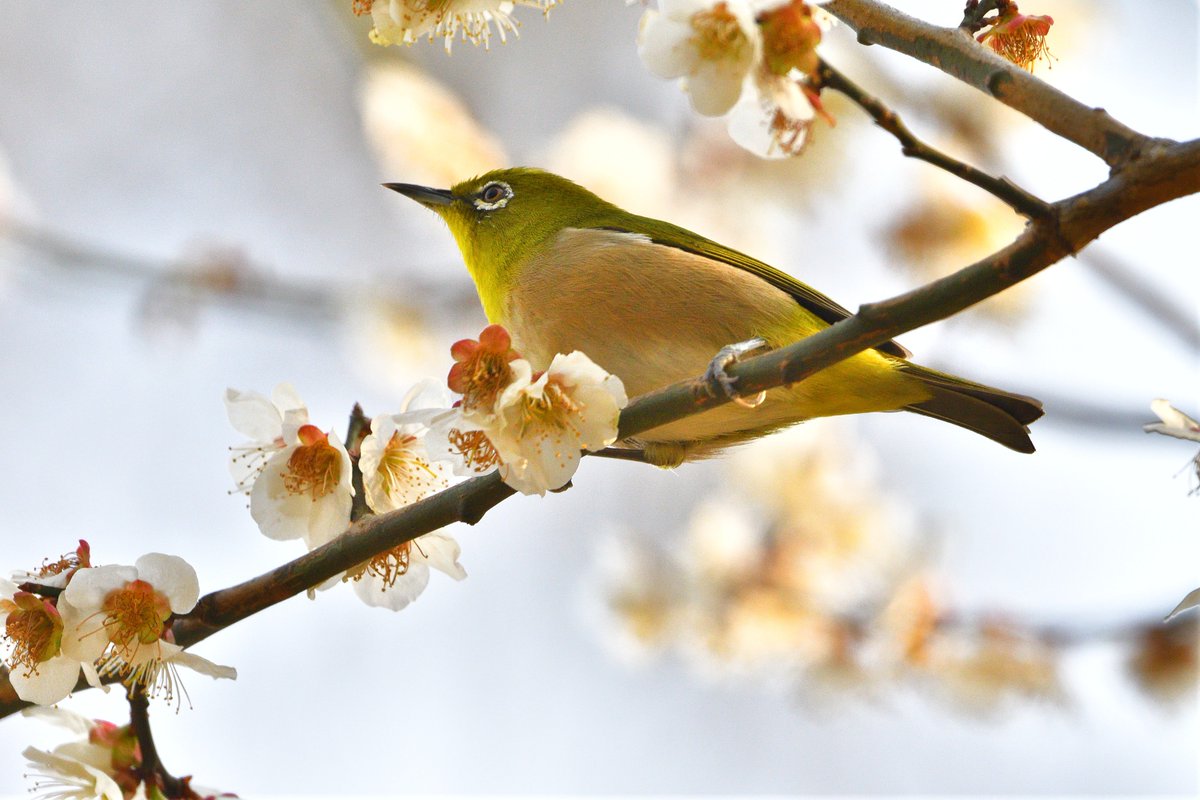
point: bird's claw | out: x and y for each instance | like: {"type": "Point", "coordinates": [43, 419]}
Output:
{"type": "Point", "coordinates": [718, 379]}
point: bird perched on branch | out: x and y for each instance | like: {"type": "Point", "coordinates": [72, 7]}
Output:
{"type": "Point", "coordinates": [653, 303]}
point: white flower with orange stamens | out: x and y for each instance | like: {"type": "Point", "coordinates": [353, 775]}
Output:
{"type": "Point", "coordinates": [544, 423]}
{"type": "Point", "coordinates": [712, 46]}
{"type": "Point", "coordinates": [405, 21]}
{"type": "Point", "coordinates": [397, 471]}
{"type": "Point", "coordinates": [117, 617]}
{"type": "Point", "coordinates": [34, 635]}
{"type": "Point", "coordinates": [304, 490]}
{"type": "Point", "coordinates": [397, 577]}
{"type": "Point", "coordinates": [269, 423]}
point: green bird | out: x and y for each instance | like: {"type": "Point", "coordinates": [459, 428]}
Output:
{"type": "Point", "coordinates": [653, 303]}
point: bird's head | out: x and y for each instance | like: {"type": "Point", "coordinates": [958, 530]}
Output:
{"type": "Point", "coordinates": [505, 217]}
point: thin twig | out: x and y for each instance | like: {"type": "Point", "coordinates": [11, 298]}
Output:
{"type": "Point", "coordinates": [358, 429]}
{"type": "Point", "coordinates": [153, 773]}
{"type": "Point", "coordinates": [1020, 200]}
{"type": "Point", "coordinates": [976, 10]}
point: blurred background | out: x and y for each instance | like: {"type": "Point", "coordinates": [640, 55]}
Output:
{"type": "Point", "coordinates": [189, 200]}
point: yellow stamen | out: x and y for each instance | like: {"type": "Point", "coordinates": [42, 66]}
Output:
{"type": "Point", "coordinates": [552, 410]}
{"type": "Point", "coordinates": [34, 629]}
{"type": "Point", "coordinates": [389, 565]}
{"type": "Point", "coordinates": [400, 467]}
{"type": "Point", "coordinates": [478, 452]}
{"type": "Point", "coordinates": [135, 614]}
{"type": "Point", "coordinates": [314, 468]}
{"type": "Point", "coordinates": [717, 34]}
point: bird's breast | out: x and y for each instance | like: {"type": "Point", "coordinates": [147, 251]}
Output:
{"type": "Point", "coordinates": [649, 313]}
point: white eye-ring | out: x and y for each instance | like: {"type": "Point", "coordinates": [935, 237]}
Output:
{"type": "Point", "coordinates": [495, 195]}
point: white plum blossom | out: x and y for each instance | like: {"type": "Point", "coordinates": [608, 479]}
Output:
{"type": "Point", "coordinates": [93, 766]}
{"type": "Point", "coordinates": [72, 771]}
{"type": "Point", "coordinates": [530, 426]}
{"type": "Point", "coordinates": [405, 21]}
{"type": "Point", "coordinates": [395, 465]}
{"type": "Point", "coordinates": [397, 577]}
{"type": "Point", "coordinates": [1174, 422]}
{"type": "Point", "coordinates": [543, 424]}
{"type": "Point", "coordinates": [753, 59]}
{"type": "Point", "coordinates": [116, 616]}
{"type": "Point", "coordinates": [773, 117]}
{"type": "Point", "coordinates": [36, 636]}
{"type": "Point", "coordinates": [269, 424]}
{"type": "Point", "coordinates": [304, 490]}
{"type": "Point", "coordinates": [397, 471]}
{"type": "Point", "coordinates": [711, 45]}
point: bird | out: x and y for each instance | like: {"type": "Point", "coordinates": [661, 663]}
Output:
{"type": "Point", "coordinates": [653, 303]}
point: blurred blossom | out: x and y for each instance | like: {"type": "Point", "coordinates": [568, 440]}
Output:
{"type": "Point", "coordinates": [983, 671]}
{"type": "Point", "coordinates": [838, 538]}
{"type": "Point", "coordinates": [724, 545]}
{"type": "Point", "coordinates": [907, 625]}
{"type": "Point", "coordinates": [951, 225]}
{"type": "Point", "coordinates": [639, 587]}
{"type": "Point", "coordinates": [392, 343]}
{"type": "Point", "coordinates": [404, 21]}
{"type": "Point", "coordinates": [1178, 425]}
{"type": "Point", "coordinates": [634, 164]}
{"type": "Point", "coordinates": [625, 160]}
{"type": "Point", "coordinates": [420, 130]}
{"type": "Point", "coordinates": [1174, 422]}
{"type": "Point", "coordinates": [711, 45]}
{"type": "Point", "coordinates": [776, 589]}
{"type": "Point", "coordinates": [1165, 663]}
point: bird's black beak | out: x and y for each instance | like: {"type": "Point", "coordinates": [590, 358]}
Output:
{"type": "Point", "coordinates": [423, 194]}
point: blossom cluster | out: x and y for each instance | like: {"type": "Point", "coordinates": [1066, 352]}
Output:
{"type": "Point", "coordinates": [405, 21]}
{"type": "Point", "coordinates": [531, 427]}
{"type": "Point", "coordinates": [811, 578]}
{"type": "Point", "coordinates": [113, 621]}
{"type": "Point", "coordinates": [755, 60]}
{"type": "Point", "coordinates": [105, 763]}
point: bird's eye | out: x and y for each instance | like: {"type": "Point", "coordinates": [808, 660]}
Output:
{"type": "Point", "coordinates": [493, 196]}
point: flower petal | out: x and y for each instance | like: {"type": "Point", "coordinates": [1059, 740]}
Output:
{"type": "Point", "coordinates": [253, 415]}
{"type": "Point", "coordinates": [441, 551]}
{"type": "Point", "coordinates": [203, 666]}
{"type": "Point", "coordinates": [53, 680]}
{"type": "Point", "coordinates": [1189, 602]}
{"type": "Point", "coordinates": [89, 587]}
{"type": "Point", "coordinates": [374, 592]}
{"type": "Point", "coordinates": [172, 576]}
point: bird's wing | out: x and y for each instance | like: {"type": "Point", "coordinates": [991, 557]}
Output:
{"type": "Point", "coordinates": [664, 233]}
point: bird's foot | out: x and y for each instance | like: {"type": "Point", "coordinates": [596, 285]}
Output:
{"type": "Point", "coordinates": [720, 380]}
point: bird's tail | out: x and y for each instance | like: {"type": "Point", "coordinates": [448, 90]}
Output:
{"type": "Point", "coordinates": [999, 415]}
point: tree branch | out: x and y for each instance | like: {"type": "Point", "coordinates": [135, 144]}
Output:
{"type": "Point", "coordinates": [1165, 172]}
{"type": "Point", "coordinates": [1020, 200]}
{"type": "Point", "coordinates": [955, 52]}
